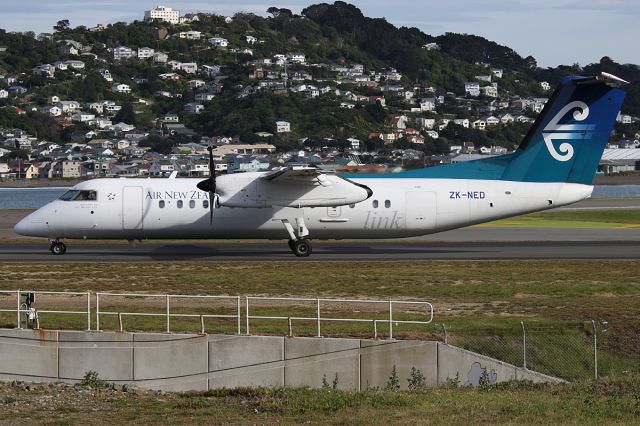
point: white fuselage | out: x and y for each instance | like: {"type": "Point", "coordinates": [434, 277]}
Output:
{"type": "Point", "coordinates": [399, 207]}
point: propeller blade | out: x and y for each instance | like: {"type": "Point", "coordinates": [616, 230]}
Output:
{"type": "Point", "coordinates": [209, 185]}
{"type": "Point", "coordinates": [211, 201]}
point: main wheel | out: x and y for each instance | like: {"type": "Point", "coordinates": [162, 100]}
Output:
{"type": "Point", "coordinates": [301, 248]}
{"type": "Point", "coordinates": [58, 248]}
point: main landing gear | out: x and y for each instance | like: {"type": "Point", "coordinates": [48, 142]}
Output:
{"type": "Point", "coordinates": [57, 247]}
{"type": "Point", "coordinates": [298, 243]}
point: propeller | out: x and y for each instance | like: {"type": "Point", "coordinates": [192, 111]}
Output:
{"type": "Point", "coordinates": [209, 184]}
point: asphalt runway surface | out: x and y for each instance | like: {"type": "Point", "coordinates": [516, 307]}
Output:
{"type": "Point", "coordinates": [323, 251]}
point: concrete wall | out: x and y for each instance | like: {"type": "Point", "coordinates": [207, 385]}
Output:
{"type": "Point", "coordinates": [177, 362]}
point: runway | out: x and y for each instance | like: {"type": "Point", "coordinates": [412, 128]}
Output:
{"type": "Point", "coordinates": [327, 251]}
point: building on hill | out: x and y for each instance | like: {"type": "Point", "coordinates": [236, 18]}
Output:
{"type": "Point", "coordinates": [163, 13]}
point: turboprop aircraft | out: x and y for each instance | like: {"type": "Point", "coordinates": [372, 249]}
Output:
{"type": "Point", "coordinates": [553, 166]}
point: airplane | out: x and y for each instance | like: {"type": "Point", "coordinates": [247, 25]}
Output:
{"type": "Point", "coordinates": [553, 166]}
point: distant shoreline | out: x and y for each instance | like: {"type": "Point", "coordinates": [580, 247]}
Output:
{"type": "Point", "coordinates": [633, 179]}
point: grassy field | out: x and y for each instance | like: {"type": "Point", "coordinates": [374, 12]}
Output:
{"type": "Point", "coordinates": [621, 218]}
{"type": "Point", "coordinates": [606, 402]}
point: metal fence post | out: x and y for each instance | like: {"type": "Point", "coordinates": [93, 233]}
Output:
{"type": "Point", "coordinates": [238, 311]}
{"type": "Point", "coordinates": [246, 298]}
{"type": "Point", "coordinates": [318, 316]}
{"type": "Point", "coordinates": [524, 346]}
{"type": "Point", "coordinates": [390, 320]}
{"type": "Point", "coordinates": [168, 321]}
{"type": "Point", "coordinates": [446, 336]}
{"type": "Point", "coordinates": [88, 311]}
{"type": "Point", "coordinates": [18, 307]}
{"type": "Point", "coordinates": [595, 348]}
{"type": "Point", "coordinates": [97, 311]}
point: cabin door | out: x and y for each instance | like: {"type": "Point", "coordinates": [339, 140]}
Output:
{"type": "Point", "coordinates": [132, 208]}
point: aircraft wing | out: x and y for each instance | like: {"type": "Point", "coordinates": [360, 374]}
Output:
{"type": "Point", "coordinates": [294, 186]}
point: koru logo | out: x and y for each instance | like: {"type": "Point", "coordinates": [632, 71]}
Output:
{"type": "Point", "coordinates": [554, 131]}
{"type": "Point", "coordinates": [111, 196]}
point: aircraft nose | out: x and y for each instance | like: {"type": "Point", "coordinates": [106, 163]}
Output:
{"type": "Point", "coordinates": [33, 225]}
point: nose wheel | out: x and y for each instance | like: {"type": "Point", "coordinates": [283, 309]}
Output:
{"type": "Point", "coordinates": [301, 248]}
{"type": "Point", "coordinates": [58, 248]}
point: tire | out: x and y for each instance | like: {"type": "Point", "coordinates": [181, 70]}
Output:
{"type": "Point", "coordinates": [58, 249]}
{"type": "Point", "coordinates": [301, 248]}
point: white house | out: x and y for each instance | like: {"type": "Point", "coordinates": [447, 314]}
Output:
{"type": "Point", "coordinates": [69, 106]}
{"type": "Point", "coordinates": [82, 116]}
{"type": "Point", "coordinates": [194, 84]}
{"type": "Point", "coordinates": [121, 88]}
{"type": "Point", "coordinates": [479, 124]}
{"type": "Point", "coordinates": [204, 97]}
{"type": "Point", "coordinates": [190, 35]}
{"type": "Point", "coordinates": [507, 118]}
{"type": "Point", "coordinates": [160, 57]}
{"type": "Point", "coordinates": [296, 57]}
{"type": "Point", "coordinates": [545, 86]}
{"type": "Point", "coordinates": [472, 89]}
{"type": "Point", "coordinates": [78, 65]}
{"type": "Point", "coordinates": [123, 52]}
{"type": "Point", "coordinates": [490, 91]}
{"type": "Point", "coordinates": [283, 127]}
{"type": "Point", "coordinates": [3, 94]}
{"type": "Point", "coordinates": [492, 121]}
{"type": "Point", "coordinates": [62, 66]}
{"type": "Point", "coordinates": [163, 13]}
{"type": "Point", "coordinates": [251, 39]}
{"type": "Point", "coordinates": [189, 67]}
{"type": "Point", "coordinates": [145, 52]}
{"type": "Point", "coordinates": [464, 122]}
{"type": "Point", "coordinates": [51, 110]}
{"type": "Point", "coordinates": [497, 72]}
{"type": "Point", "coordinates": [427, 104]}
{"type": "Point", "coordinates": [193, 108]}
{"type": "Point", "coordinates": [219, 42]}
{"type": "Point", "coordinates": [46, 70]}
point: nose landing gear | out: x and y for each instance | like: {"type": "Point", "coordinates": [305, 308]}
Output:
{"type": "Point", "coordinates": [57, 248]}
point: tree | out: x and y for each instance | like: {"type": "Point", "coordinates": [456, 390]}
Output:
{"type": "Point", "coordinates": [126, 114]}
{"type": "Point", "coordinates": [62, 25]}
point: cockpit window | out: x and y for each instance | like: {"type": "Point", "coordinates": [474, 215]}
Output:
{"type": "Point", "coordinates": [68, 196]}
{"type": "Point", "coordinates": [76, 195]}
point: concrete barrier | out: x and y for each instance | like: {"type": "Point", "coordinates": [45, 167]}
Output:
{"type": "Point", "coordinates": [176, 362]}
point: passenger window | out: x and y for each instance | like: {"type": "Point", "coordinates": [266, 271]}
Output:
{"type": "Point", "coordinates": [205, 204]}
{"type": "Point", "coordinates": [179, 204]}
{"type": "Point", "coordinates": [192, 204]}
{"type": "Point", "coordinates": [375, 204]}
{"type": "Point", "coordinates": [161, 204]}
{"type": "Point", "coordinates": [387, 204]}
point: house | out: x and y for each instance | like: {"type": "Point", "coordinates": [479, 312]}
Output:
{"type": "Point", "coordinates": [544, 85]}
{"type": "Point", "coordinates": [250, 39]}
{"type": "Point", "coordinates": [17, 90]}
{"type": "Point", "coordinates": [193, 108]}
{"type": "Point", "coordinates": [190, 35]}
{"type": "Point", "coordinates": [464, 122]}
{"type": "Point", "coordinates": [194, 84]}
{"type": "Point", "coordinates": [106, 74]}
{"type": "Point", "coordinates": [398, 122]}
{"type": "Point", "coordinates": [69, 106]}
{"type": "Point", "coordinates": [71, 169]}
{"type": "Point", "coordinates": [188, 67]}
{"type": "Point", "coordinates": [219, 42]}
{"type": "Point", "coordinates": [490, 91]}
{"type": "Point", "coordinates": [209, 70]}
{"type": "Point", "coordinates": [507, 118]}
{"type": "Point", "coordinates": [123, 52]}
{"type": "Point", "coordinates": [427, 104]}
{"type": "Point", "coordinates": [485, 77]}
{"type": "Point", "coordinates": [170, 118]}
{"type": "Point", "coordinates": [472, 89]}
{"type": "Point", "coordinates": [82, 117]}
{"type": "Point", "coordinates": [347, 105]}
{"type": "Point", "coordinates": [160, 57]}
{"type": "Point", "coordinates": [68, 50]}
{"type": "Point", "coordinates": [121, 88]}
{"type": "Point", "coordinates": [145, 52]}
{"type": "Point", "coordinates": [491, 121]}
{"type": "Point", "coordinates": [296, 58]}
{"type": "Point", "coordinates": [497, 72]}
{"type": "Point", "coordinates": [204, 97]}
{"type": "Point", "coordinates": [3, 94]}
{"type": "Point", "coordinates": [377, 99]}
{"type": "Point", "coordinates": [479, 125]}
{"type": "Point", "coordinates": [46, 70]}
{"type": "Point", "coordinates": [242, 164]}
{"type": "Point", "coordinates": [51, 110]}
{"type": "Point", "coordinates": [161, 168]}
{"type": "Point", "coordinates": [425, 123]}
{"type": "Point", "coordinates": [78, 65]}
{"type": "Point", "coordinates": [283, 127]}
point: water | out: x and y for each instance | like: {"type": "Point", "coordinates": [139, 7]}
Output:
{"type": "Point", "coordinates": [28, 198]}
{"type": "Point", "coordinates": [33, 198]}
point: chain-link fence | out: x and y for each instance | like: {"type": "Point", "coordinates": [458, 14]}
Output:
{"type": "Point", "coordinates": [568, 350]}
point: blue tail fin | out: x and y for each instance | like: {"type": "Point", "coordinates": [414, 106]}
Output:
{"type": "Point", "coordinates": [566, 142]}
